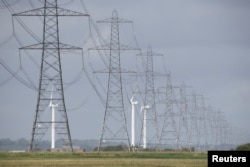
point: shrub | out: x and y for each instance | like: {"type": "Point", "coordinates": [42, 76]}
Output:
{"type": "Point", "coordinates": [243, 147]}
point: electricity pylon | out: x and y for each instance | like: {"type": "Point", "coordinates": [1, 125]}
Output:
{"type": "Point", "coordinates": [183, 131]}
{"type": "Point", "coordinates": [193, 113]}
{"type": "Point", "coordinates": [168, 128]}
{"type": "Point", "coordinates": [114, 130]}
{"type": "Point", "coordinates": [149, 100]}
{"type": "Point", "coordinates": [50, 73]}
{"type": "Point", "coordinates": [202, 122]}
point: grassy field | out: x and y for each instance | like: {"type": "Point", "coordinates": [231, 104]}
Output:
{"type": "Point", "coordinates": [104, 159]}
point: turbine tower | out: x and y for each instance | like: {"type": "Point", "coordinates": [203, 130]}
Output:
{"type": "Point", "coordinates": [133, 103]}
{"type": "Point", "coordinates": [50, 73]}
{"type": "Point", "coordinates": [53, 107]}
{"type": "Point", "coordinates": [144, 138]}
{"type": "Point", "coordinates": [114, 127]}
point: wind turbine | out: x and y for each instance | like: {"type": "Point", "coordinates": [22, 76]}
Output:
{"type": "Point", "coordinates": [144, 109]}
{"type": "Point", "coordinates": [133, 103]}
{"type": "Point", "coordinates": [53, 109]}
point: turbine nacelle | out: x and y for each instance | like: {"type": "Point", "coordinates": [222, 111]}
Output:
{"type": "Point", "coordinates": [51, 104]}
{"type": "Point", "coordinates": [133, 102]}
{"type": "Point", "coordinates": [143, 108]}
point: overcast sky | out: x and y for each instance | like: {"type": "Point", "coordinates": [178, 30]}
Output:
{"type": "Point", "coordinates": [206, 44]}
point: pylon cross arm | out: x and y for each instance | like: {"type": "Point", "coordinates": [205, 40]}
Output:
{"type": "Point", "coordinates": [61, 46]}
{"type": "Point", "coordinates": [41, 12]}
{"type": "Point", "coordinates": [117, 20]}
{"type": "Point", "coordinates": [108, 47]}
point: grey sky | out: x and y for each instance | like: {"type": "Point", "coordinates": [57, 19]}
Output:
{"type": "Point", "coordinates": [205, 43]}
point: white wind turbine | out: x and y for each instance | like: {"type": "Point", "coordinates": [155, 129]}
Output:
{"type": "Point", "coordinates": [144, 109]}
{"type": "Point", "coordinates": [53, 109]}
{"type": "Point", "coordinates": [133, 103]}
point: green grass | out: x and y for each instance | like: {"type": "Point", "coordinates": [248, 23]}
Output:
{"type": "Point", "coordinates": [154, 155]}
{"type": "Point", "coordinates": [104, 159]}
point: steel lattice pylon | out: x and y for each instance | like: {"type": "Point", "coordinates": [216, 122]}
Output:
{"type": "Point", "coordinates": [193, 133]}
{"type": "Point", "coordinates": [168, 131]}
{"type": "Point", "coordinates": [50, 81]}
{"type": "Point", "coordinates": [152, 137]}
{"type": "Point", "coordinates": [114, 130]}
{"type": "Point", "coordinates": [183, 131]}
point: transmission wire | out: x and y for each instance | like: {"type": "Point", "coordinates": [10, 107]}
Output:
{"type": "Point", "coordinates": [27, 29]}
{"type": "Point", "coordinates": [6, 67]}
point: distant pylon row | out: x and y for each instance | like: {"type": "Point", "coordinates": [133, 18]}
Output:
{"type": "Point", "coordinates": [184, 122]}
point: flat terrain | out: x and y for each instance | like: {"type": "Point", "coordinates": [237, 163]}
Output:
{"type": "Point", "coordinates": [104, 159]}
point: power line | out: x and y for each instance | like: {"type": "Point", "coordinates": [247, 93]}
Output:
{"type": "Point", "coordinates": [7, 40]}
{"type": "Point", "coordinates": [2, 6]}
{"type": "Point", "coordinates": [14, 74]}
{"type": "Point", "coordinates": [9, 78]}
{"type": "Point", "coordinates": [26, 28]}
